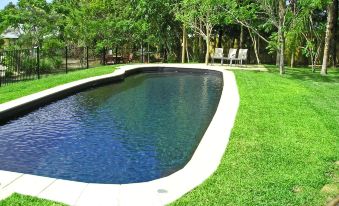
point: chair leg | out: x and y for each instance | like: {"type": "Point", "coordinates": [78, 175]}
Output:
{"type": "Point", "coordinates": [212, 61]}
{"type": "Point", "coordinates": [222, 61]}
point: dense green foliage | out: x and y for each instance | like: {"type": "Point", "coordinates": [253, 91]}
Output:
{"type": "Point", "coordinates": [130, 25]}
{"type": "Point", "coordinates": [111, 24]}
{"type": "Point", "coordinates": [284, 145]}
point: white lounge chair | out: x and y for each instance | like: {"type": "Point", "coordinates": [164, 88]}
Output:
{"type": "Point", "coordinates": [232, 53]}
{"type": "Point", "coordinates": [218, 54]}
{"type": "Point", "coordinates": [242, 56]}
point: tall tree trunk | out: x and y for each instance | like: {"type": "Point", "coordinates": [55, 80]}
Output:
{"type": "Point", "coordinates": [164, 53]}
{"type": "Point", "coordinates": [207, 56]}
{"type": "Point", "coordinates": [200, 44]}
{"type": "Point", "coordinates": [292, 59]}
{"type": "Point", "coordinates": [317, 55]}
{"type": "Point", "coordinates": [187, 52]}
{"type": "Point", "coordinates": [282, 6]}
{"type": "Point", "coordinates": [184, 39]}
{"type": "Point", "coordinates": [258, 47]}
{"type": "Point", "coordinates": [196, 46]}
{"type": "Point", "coordinates": [254, 41]}
{"type": "Point", "coordinates": [277, 58]}
{"type": "Point", "coordinates": [142, 51]}
{"type": "Point", "coordinates": [148, 54]}
{"type": "Point", "coordinates": [293, 4]}
{"type": "Point", "coordinates": [328, 38]}
{"type": "Point", "coordinates": [313, 63]}
{"type": "Point", "coordinates": [282, 55]}
{"type": "Point", "coordinates": [335, 35]}
{"type": "Point", "coordinates": [220, 38]}
{"type": "Point", "coordinates": [233, 42]}
{"type": "Point", "coordinates": [241, 38]}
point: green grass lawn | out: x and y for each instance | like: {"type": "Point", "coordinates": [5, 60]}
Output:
{"type": "Point", "coordinates": [284, 148]}
{"type": "Point", "coordinates": [23, 200]}
{"type": "Point", "coordinates": [13, 91]}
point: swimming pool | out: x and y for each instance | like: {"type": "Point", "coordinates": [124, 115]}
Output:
{"type": "Point", "coordinates": [141, 129]}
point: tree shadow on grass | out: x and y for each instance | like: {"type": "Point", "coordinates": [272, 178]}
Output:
{"type": "Point", "coordinates": [306, 74]}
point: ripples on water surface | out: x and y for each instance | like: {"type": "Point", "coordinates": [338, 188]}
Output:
{"type": "Point", "coordinates": [141, 129]}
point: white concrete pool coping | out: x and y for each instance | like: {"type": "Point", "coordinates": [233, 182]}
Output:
{"type": "Point", "coordinates": [161, 191]}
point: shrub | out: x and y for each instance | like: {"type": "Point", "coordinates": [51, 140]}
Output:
{"type": "Point", "coordinates": [28, 65]}
{"type": "Point", "coordinates": [171, 58]}
{"type": "Point", "coordinates": [47, 65]}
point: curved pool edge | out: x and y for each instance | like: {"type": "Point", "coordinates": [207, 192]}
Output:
{"type": "Point", "coordinates": [203, 163]}
{"type": "Point", "coordinates": [9, 110]}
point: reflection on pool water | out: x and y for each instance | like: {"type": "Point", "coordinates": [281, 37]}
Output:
{"type": "Point", "coordinates": [141, 129]}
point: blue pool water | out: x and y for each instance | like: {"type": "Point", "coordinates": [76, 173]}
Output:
{"type": "Point", "coordinates": [143, 128]}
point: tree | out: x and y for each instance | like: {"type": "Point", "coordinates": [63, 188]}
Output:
{"type": "Point", "coordinates": [265, 19]}
{"type": "Point", "coordinates": [205, 11]}
{"type": "Point", "coordinates": [156, 24]}
{"type": "Point", "coordinates": [9, 17]}
{"type": "Point", "coordinates": [37, 21]}
{"type": "Point", "coordinates": [329, 34]}
{"type": "Point", "coordinates": [292, 37]}
{"type": "Point", "coordinates": [335, 33]}
{"type": "Point", "coordinates": [281, 35]}
{"type": "Point", "coordinates": [174, 29]}
{"type": "Point", "coordinates": [305, 32]}
{"type": "Point", "coordinates": [184, 44]}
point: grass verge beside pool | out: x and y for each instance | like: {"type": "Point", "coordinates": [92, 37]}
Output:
{"type": "Point", "coordinates": [23, 200]}
{"type": "Point", "coordinates": [283, 148]}
{"type": "Point", "coordinates": [20, 89]}
{"type": "Point", "coordinates": [284, 145]}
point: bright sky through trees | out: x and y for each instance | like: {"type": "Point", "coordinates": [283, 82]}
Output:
{"type": "Point", "coordinates": [3, 3]}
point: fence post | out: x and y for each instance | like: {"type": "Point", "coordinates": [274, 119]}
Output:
{"type": "Point", "coordinates": [116, 55]}
{"type": "Point", "coordinates": [38, 61]}
{"type": "Point", "coordinates": [142, 51]}
{"type": "Point", "coordinates": [87, 57]}
{"type": "Point", "coordinates": [104, 56]}
{"type": "Point", "coordinates": [66, 58]}
{"type": "Point", "coordinates": [1, 63]}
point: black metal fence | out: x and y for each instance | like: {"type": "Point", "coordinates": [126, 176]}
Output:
{"type": "Point", "coordinates": [34, 63]}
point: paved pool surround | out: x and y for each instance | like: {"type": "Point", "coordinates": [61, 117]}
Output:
{"type": "Point", "coordinates": [203, 163]}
